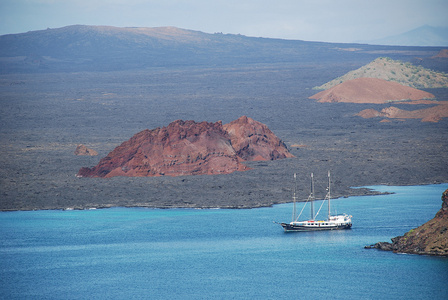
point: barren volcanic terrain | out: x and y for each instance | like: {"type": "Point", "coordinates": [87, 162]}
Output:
{"type": "Point", "coordinates": [101, 88]}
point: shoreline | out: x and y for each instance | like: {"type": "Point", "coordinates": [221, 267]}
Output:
{"type": "Point", "coordinates": [365, 192]}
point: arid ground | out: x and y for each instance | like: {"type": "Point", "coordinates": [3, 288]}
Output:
{"type": "Point", "coordinates": [44, 116]}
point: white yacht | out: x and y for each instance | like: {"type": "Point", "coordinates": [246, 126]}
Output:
{"type": "Point", "coordinates": [334, 222]}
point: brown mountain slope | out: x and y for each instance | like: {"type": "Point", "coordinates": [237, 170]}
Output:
{"type": "Point", "coordinates": [370, 90]}
{"type": "Point", "coordinates": [429, 239]}
{"type": "Point", "coordinates": [190, 148]}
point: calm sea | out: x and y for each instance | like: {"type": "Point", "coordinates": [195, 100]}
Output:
{"type": "Point", "coordinates": [136, 253]}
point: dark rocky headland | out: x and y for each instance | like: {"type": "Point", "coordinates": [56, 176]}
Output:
{"type": "Point", "coordinates": [429, 239]}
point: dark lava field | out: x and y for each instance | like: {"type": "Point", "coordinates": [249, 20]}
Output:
{"type": "Point", "coordinates": [45, 115]}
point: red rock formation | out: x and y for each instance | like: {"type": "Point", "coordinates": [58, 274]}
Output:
{"type": "Point", "coordinates": [431, 114]}
{"type": "Point", "coordinates": [369, 113]}
{"type": "Point", "coordinates": [442, 54]}
{"type": "Point", "coordinates": [370, 90]}
{"type": "Point", "coordinates": [253, 140]}
{"type": "Point", "coordinates": [190, 148]}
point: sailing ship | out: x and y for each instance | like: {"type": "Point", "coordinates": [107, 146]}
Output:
{"type": "Point", "coordinates": [333, 222]}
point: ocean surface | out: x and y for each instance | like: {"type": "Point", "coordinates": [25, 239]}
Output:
{"type": "Point", "coordinates": [138, 253]}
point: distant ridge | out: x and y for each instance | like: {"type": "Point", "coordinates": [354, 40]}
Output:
{"type": "Point", "coordinates": [422, 36]}
{"type": "Point", "coordinates": [164, 33]}
{"type": "Point", "coordinates": [107, 48]}
{"type": "Point", "coordinates": [393, 70]}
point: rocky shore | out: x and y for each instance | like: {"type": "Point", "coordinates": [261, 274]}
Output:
{"type": "Point", "coordinates": [429, 239]}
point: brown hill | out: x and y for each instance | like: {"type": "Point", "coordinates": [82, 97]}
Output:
{"type": "Point", "coordinates": [429, 239]}
{"type": "Point", "coordinates": [370, 90]}
{"type": "Point", "coordinates": [431, 114]}
{"type": "Point", "coordinates": [190, 148]}
{"type": "Point", "coordinates": [388, 69]}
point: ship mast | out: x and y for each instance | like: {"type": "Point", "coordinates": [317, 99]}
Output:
{"type": "Point", "coordinates": [294, 198]}
{"type": "Point", "coordinates": [312, 197]}
{"type": "Point", "coordinates": [329, 195]}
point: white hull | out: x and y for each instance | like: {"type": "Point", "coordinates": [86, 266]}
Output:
{"type": "Point", "coordinates": [335, 223]}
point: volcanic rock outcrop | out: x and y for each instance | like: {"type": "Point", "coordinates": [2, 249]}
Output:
{"type": "Point", "coordinates": [190, 148]}
{"type": "Point", "coordinates": [431, 114]}
{"type": "Point", "coordinates": [253, 140]}
{"type": "Point", "coordinates": [83, 150]}
{"type": "Point", "coordinates": [442, 54]}
{"type": "Point", "coordinates": [370, 90]}
{"type": "Point", "coordinates": [429, 239]}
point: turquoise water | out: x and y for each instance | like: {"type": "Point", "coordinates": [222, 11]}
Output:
{"type": "Point", "coordinates": [135, 253]}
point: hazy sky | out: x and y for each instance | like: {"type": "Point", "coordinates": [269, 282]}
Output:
{"type": "Point", "coordinates": [312, 20]}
